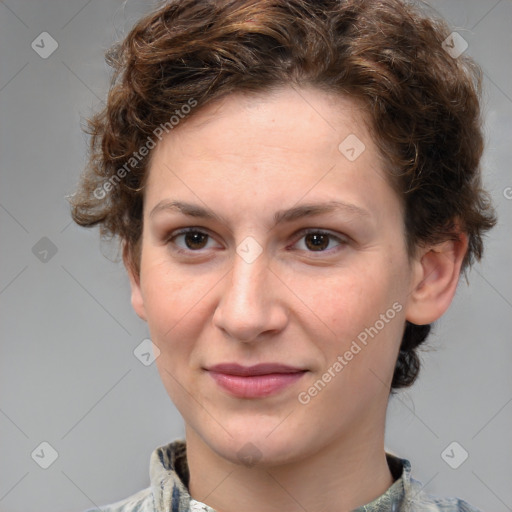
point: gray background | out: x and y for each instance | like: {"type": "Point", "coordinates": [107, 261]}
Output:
{"type": "Point", "coordinates": [68, 373]}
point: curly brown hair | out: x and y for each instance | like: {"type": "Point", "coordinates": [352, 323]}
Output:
{"type": "Point", "coordinates": [423, 106]}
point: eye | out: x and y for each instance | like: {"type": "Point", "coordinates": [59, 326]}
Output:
{"type": "Point", "coordinates": [191, 239]}
{"type": "Point", "coordinates": [313, 240]}
{"type": "Point", "coordinates": [319, 241]}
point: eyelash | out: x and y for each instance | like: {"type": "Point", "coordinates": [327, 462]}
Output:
{"type": "Point", "coordinates": [303, 233]}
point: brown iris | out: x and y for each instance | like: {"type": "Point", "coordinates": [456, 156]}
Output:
{"type": "Point", "coordinates": [317, 241]}
{"type": "Point", "coordinates": [196, 240]}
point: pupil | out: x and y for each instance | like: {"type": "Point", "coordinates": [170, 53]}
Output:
{"type": "Point", "coordinates": [195, 240]}
{"type": "Point", "coordinates": [317, 241]}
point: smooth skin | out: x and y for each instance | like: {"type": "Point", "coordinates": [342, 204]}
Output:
{"type": "Point", "coordinates": [301, 302]}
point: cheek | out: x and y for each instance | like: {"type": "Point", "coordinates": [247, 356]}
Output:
{"type": "Point", "coordinates": [360, 314]}
{"type": "Point", "coordinates": [347, 301]}
{"type": "Point", "coordinates": [172, 293]}
{"type": "Point", "coordinates": [176, 306]}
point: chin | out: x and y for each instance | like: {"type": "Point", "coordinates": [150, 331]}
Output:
{"type": "Point", "coordinates": [253, 447]}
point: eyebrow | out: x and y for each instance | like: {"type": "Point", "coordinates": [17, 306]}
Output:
{"type": "Point", "coordinates": [281, 216]}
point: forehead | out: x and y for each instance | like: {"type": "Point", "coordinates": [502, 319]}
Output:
{"type": "Point", "coordinates": [298, 119]}
{"type": "Point", "coordinates": [283, 144]}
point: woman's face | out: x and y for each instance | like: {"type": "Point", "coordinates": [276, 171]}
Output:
{"type": "Point", "coordinates": [295, 255]}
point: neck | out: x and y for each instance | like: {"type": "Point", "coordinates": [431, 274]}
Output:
{"type": "Point", "coordinates": [347, 472]}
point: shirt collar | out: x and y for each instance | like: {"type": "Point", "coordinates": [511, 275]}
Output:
{"type": "Point", "coordinates": [170, 476]}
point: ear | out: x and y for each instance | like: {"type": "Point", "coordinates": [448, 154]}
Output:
{"type": "Point", "coordinates": [437, 271]}
{"type": "Point", "coordinates": [134, 276]}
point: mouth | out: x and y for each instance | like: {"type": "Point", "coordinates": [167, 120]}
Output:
{"type": "Point", "coordinates": [257, 381]}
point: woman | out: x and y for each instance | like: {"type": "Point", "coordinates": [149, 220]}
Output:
{"type": "Point", "coordinates": [296, 187]}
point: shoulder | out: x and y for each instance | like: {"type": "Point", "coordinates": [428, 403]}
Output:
{"type": "Point", "coordinates": [412, 496]}
{"type": "Point", "coordinates": [141, 501]}
{"type": "Point", "coordinates": [418, 501]}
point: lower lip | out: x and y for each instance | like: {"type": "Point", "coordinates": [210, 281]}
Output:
{"type": "Point", "coordinates": [255, 386]}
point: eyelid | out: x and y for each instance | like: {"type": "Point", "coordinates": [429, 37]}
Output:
{"type": "Point", "coordinates": [183, 231]}
{"type": "Point", "coordinates": [342, 239]}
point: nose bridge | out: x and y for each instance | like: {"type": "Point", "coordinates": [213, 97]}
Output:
{"type": "Point", "coordinates": [246, 286]}
{"type": "Point", "coordinates": [248, 306]}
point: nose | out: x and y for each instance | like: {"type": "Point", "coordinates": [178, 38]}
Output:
{"type": "Point", "coordinates": [251, 306]}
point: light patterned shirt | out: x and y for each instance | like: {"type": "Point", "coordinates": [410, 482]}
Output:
{"type": "Point", "coordinates": [169, 476]}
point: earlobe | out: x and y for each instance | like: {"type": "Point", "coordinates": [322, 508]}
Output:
{"type": "Point", "coordinates": [134, 276]}
{"type": "Point", "coordinates": [435, 281]}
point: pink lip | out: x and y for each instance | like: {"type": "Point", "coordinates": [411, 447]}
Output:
{"type": "Point", "coordinates": [254, 381]}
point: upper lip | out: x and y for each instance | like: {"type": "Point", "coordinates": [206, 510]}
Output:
{"type": "Point", "coordinates": [258, 369]}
